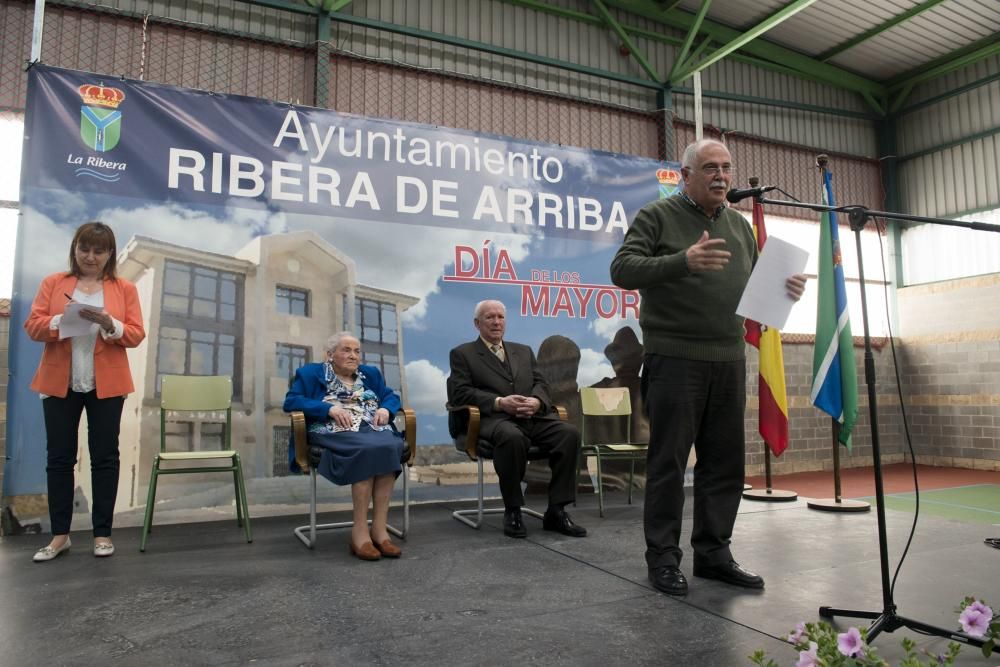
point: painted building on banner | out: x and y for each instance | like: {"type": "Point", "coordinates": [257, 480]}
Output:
{"type": "Point", "coordinates": [256, 316]}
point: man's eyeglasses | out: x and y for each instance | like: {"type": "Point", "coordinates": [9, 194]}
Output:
{"type": "Point", "coordinates": [712, 169]}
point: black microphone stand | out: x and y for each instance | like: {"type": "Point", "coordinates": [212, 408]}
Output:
{"type": "Point", "coordinates": [886, 620]}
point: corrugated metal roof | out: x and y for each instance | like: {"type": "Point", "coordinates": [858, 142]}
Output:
{"type": "Point", "coordinates": [514, 27]}
{"type": "Point", "coordinates": [941, 29]}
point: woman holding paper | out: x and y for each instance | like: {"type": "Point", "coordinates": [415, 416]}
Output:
{"type": "Point", "coordinates": [84, 366]}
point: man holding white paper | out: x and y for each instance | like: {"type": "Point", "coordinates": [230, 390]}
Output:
{"type": "Point", "coordinates": [690, 257]}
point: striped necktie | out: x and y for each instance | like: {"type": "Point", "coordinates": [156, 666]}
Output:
{"type": "Point", "coordinates": [498, 350]}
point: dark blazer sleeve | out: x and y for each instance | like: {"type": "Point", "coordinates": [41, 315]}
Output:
{"type": "Point", "coordinates": [387, 398]}
{"type": "Point", "coordinates": [539, 386]}
{"type": "Point", "coordinates": [462, 389]}
{"type": "Point", "coordinates": [306, 393]}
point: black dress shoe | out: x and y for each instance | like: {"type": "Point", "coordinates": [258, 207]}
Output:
{"type": "Point", "coordinates": [668, 579]}
{"type": "Point", "coordinates": [731, 573]}
{"type": "Point", "coordinates": [560, 522]}
{"type": "Point", "coordinates": [513, 524]}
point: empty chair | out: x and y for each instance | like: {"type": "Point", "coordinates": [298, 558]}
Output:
{"type": "Point", "coordinates": [610, 403]}
{"type": "Point", "coordinates": [197, 393]}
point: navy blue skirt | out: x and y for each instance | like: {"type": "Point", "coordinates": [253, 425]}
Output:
{"type": "Point", "coordinates": [354, 456]}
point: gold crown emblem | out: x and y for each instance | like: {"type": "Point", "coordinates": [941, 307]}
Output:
{"type": "Point", "coordinates": [668, 176]}
{"type": "Point", "coordinates": [100, 96]}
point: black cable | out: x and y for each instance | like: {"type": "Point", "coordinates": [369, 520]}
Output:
{"type": "Point", "coordinates": [788, 195]}
{"type": "Point", "coordinates": [902, 408]}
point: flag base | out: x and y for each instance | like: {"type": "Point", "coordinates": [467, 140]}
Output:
{"type": "Point", "coordinates": [838, 505]}
{"type": "Point", "coordinates": [770, 495]}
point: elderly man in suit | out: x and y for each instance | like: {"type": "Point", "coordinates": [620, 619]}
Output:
{"type": "Point", "coordinates": [502, 379]}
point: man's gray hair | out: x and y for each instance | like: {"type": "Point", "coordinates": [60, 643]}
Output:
{"type": "Point", "coordinates": [691, 151]}
{"type": "Point", "coordinates": [333, 342]}
{"type": "Point", "coordinates": [482, 304]}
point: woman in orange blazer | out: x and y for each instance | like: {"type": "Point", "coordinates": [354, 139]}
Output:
{"type": "Point", "coordinates": [85, 372]}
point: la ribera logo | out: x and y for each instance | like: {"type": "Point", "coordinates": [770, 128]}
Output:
{"type": "Point", "coordinates": [670, 180]}
{"type": "Point", "coordinates": [100, 119]}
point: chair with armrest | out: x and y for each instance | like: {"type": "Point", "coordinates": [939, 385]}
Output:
{"type": "Point", "coordinates": [463, 424]}
{"type": "Point", "coordinates": [197, 393]}
{"type": "Point", "coordinates": [605, 403]}
{"type": "Point", "coordinates": [307, 459]}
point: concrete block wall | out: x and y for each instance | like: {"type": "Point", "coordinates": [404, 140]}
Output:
{"type": "Point", "coordinates": [951, 337]}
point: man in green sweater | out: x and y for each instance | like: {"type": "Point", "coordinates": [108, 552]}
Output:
{"type": "Point", "coordinates": [690, 257]}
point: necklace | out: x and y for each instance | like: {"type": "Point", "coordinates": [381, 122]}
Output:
{"type": "Point", "coordinates": [89, 288]}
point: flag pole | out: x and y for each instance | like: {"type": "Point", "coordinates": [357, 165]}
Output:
{"type": "Point", "coordinates": [767, 494]}
{"type": "Point", "coordinates": [837, 503]}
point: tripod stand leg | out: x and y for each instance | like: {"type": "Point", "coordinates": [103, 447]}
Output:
{"type": "Point", "coordinates": [941, 632]}
{"type": "Point", "coordinates": [890, 622]}
{"type": "Point", "coordinates": [830, 612]}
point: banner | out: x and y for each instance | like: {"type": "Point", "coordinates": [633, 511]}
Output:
{"type": "Point", "coordinates": [255, 229]}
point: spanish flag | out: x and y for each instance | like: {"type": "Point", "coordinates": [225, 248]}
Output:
{"type": "Point", "coordinates": [772, 412]}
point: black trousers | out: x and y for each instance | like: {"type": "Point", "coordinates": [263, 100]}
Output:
{"type": "Point", "coordinates": [699, 402]}
{"type": "Point", "coordinates": [62, 423]}
{"type": "Point", "coordinates": [512, 437]}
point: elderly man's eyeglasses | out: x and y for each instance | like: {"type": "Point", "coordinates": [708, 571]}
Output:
{"type": "Point", "coordinates": [713, 169]}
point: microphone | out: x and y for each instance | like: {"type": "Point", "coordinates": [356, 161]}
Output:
{"type": "Point", "coordinates": [735, 195]}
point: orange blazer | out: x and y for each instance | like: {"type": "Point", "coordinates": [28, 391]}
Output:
{"type": "Point", "coordinates": [111, 372]}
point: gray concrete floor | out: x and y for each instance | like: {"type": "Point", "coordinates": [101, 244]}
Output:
{"type": "Point", "coordinates": [202, 595]}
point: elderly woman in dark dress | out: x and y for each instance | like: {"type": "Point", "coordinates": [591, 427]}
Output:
{"type": "Point", "coordinates": [348, 410]}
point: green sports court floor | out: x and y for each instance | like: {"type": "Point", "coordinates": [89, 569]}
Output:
{"type": "Point", "coordinates": [977, 503]}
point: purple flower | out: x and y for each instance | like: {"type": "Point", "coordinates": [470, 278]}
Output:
{"type": "Point", "coordinates": [849, 643]}
{"type": "Point", "coordinates": [808, 658]}
{"type": "Point", "coordinates": [799, 634]}
{"type": "Point", "coordinates": [979, 606]}
{"type": "Point", "coordinates": [975, 619]}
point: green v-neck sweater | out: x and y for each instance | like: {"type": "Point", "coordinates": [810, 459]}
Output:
{"type": "Point", "coordinates": [684, 314]}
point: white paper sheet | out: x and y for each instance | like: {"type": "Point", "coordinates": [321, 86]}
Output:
{"type": "Point", "coordinates": [71, 324]}
{"type": "Point", "coordinates": [765, 298]}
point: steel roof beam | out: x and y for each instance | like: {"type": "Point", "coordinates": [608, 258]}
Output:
{"type": "Point", "coordinates": [829, 74]}
{"type": "Point", "coordinates": [878, 30]}
{"type": "Point", "coordinates": [636, 31]}
{"type": "Point", "coordinates": [679, 61]}
{"type": "Point", "coordinates": [753, 33]}
{"type": "Point", "coordinates": [399, 29]}
{"type": "Point", "coordinates": [546, 8]}
{"type": "Point", "coordinates": [622, 35]}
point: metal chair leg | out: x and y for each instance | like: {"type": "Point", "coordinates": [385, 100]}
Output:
{"type": "Point", "coordinates": [236, 493]}
{"type": "Point", "coordinates": [241, 498]}
{"type": "Point", "coordinates": [480, 511]}
{"type": "Point", "coordinates": [147, 523]}
{"type": "Point", "coordinates": [631, 479]}
{"type": "Point", "coordinates": [600, 486]}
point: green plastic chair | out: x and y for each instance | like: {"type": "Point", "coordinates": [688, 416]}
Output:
{"type": "Point", "coordinates": [603, 403]}
{"type": "Point", "coordinates": [203, 393]}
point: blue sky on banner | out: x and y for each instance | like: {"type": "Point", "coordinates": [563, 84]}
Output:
{"type": "Point", "coordinates": [213, 172]}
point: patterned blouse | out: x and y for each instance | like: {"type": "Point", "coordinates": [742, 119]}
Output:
{"type": "Point", "coordinates": [362, 403]}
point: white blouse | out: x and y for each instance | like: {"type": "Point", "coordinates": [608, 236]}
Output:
{"type": "Point", "coordinates": [82, 369]}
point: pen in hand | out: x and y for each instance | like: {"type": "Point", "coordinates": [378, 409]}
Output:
{"type": "Point", "coordinates": [68, 296]}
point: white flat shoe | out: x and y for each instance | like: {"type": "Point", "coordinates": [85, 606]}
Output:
{"type": "Point", "coordinates": [104, 549]}
{"type": "Point", "coordinates": [48, 553]}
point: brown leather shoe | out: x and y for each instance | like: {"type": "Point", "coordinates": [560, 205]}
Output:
{"type": "Point", "coordinates": [366, 551]}
{"type": "Point", "coordinates": [388, 549]}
